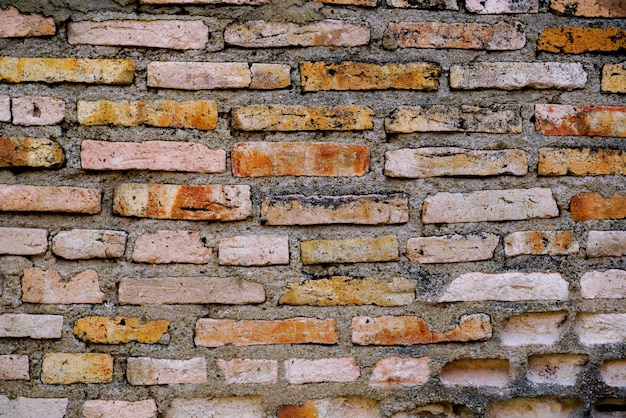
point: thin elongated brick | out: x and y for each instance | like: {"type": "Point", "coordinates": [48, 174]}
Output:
{"type": "Point", "coordinates": [351, 406]}
{"type": "Point", "coordinates": [30, 152]}
{"type": "Point", "coordinates": [219, 332]}
{"type": "Point", "coordinates": [452, 248]}
{"type": "Point", "coordinates": [119, 330]}
{"type": "Point", "coordinates": [424, 4]}
{"type": "Point", "coordinates": [120, 409]}
{"type": "Point", "coordinates": [5, 108]}
{"type": "Point", "coordinates": [270, 76]}
{"type": "Point", "coordinates": [22, 198]}
{"type": "Point", "coordinates": [31, 326]}
{"type": "Point", "coordinates": [48, 286]}
{"type": "Point", "coordinates": [254, 250]}
{"type": "Point", "coordinates": [600, 328]}
{"type": "Point", "coordinates": [502, 6]}
{"type": "Point", "coordinates": [540, 243]}
{"type": "Point", "coordinates": [234, 2]}
{"type": "Point", "coordinates": [475, 372]}
{"type": "Point", "coordinates": [589, 8]}
{"type": "Point", "coordinates": [153, 371]}
{"type": "Point", "coordinates": [23, 241]}
{"type": "Point", "coordinates": [562, 120]}
{"type": "Point", "coordinates": [37, 111]}
{"type": "Point", "coordinates": [533, 328]}
{"type": "Point", "coordinates": [573, 40]}
{"type": "Point", "coordinates": [299, 371]}
{"type": "Point", "coordinates": [614, 78]}
{"type": "Point", "coordinates": [357, 250]}
{"type": "Point", "coordinates": [400, 372]}
{"type": "Point", "coordinates": [164, 247]}
{"type": "Point", "coordinates": [364, 3]}
{"type": "Point", "coordinates": [236, 406]}
{"type": "Point", "coordinates": [189, 290]}
{"type": "Point", "coordinates": [14, 24]}
{"type": "Point", "coordinates": [535, 407]}
{"type": "Point", "coordinates": [588, 206]}
{"type": "Point", "coordinates": [14, 367]}
{"type": "Point", "coordinates": [249, 371]}
{"type": "Point", "coordinates": [190, 202]}
{"type": "Point", "coordinates": [581, 162]}
{"type": "Point", "coordinates": [83, 244]}
{"type": "Point", "coordinates": [606, 244]}
{"type": "Point", "coordinates": [33, 407]}
{"type": "Point", "coordinates": [68, 368]}
{"type": "Point", "coordinates": [556, 369]}
{"type": "Point", "coordinates": [199, 75]}
{"type": "Point", "coordinates": [609, 284]}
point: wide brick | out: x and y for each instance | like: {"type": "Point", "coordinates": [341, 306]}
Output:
{"type": "Point", "coordinates": [614, 78]}
{"type": "Point", "coordinates": [14, 24]}
{"type": "Point", "coordinates": [443, 410]}
{"type": "Point", "coordinates": [400, 371]}
{"type": "Point", "coordinates": [189, 290]}
{"type": "Point", "coordinates": [514, 286]}
{"type": "Point", "coordinates": [452, 248]}
{"type": "Point", "coordinates": [499, 37]}
{"type": "Point", "coordinates": [609, 284]}
{"type": "Point", "coordinates": [31, 326]}
{"type": "Point", "coordinates": [572, 40]}
{"type": "Point", "coordinates": [259, 159]}
{"type": "Point", "coordinates": [249, 371]}
{"type": "Point", "coordinates": [48, 286]}
{"type": "Point", "coordinates": [606, 244]}
{"type": "Point", "coordinates": [533, 328]}
{"type": "Point", "coordinates": [410, 330]}
{"type": "Point", "coordinates": [588, 206]}
{"type": "Point", "coordinates": [450, 161]}
{"type": "Point", "coordinates": [68, 368]}
{"type": "Point", "coordinates": [191, 202]}
{"type": "Point", "coordinates": [23, 241]}
{"type": "Point", "coordinates": [535, 407]}
{"type": "Point", "coordinates": [325, 210]}
{"type": "Point", "coordinates": [66, 70]}
{"type": "Point", "coordinates": [240, 407]}
{"type": "Point", "coordinates": [600, 328]}
{"type": "Point", "coordinates": [299, 371]}
{"type": "Point", "coordinates": [356, 250]}
{"type": "Point", "coordinates": [613, 372]}
{"type": "Point", "coordinates": [254, 250]}
{"type": "Point", "coordinates": [173, 34]}
{"type": "Point", "coordinates": [341, 291]}
{"type": "Point", "coordinates": [30, 111]}
{"type": "Point", "coordinates": [14, 367]}
{"type": "Point", "coordinates": [424, 4]}
{"type": "Point", "coordinates": [199, 75]}
{"type": "Point", "coordinates": [30, 152]}
{"type": "Point", "coordinates": [589, 8]}
{"type": "Point", "coordinates": [120, 409]}
{"type": "Point", "coordinates": [219, 332]}
{"type": "Point", "coordinates": [581, 162]}
{"type": "Point", "coordinates": [332, 407]}
{"type": "Point", "coordinates": [262, 34]}
{"type": "Point", "coordinates": [119, 330]}
{"type": "Point", "coordinates": [501, 118]}
{"type": "Point", "coordinates": [22, 198]}
{"type": "Point", "coordinates": [198, 114]}
{"type": "Point", "coordinates": [556, 369]}
{"type": "Point", "coordinates": [270, 76]}
{"type": "Point", "coordinates": [565, 120]}
{"type": "Point", "coordinates": [502, 6]}
{"type": "Point", "coordinates": [234, 2]}
{"type": "Point", "coordinates": [364, 3]}
{"type": "Point", "coordinates": [540, 243]}
{"type": "Point", "coordinates": [153, 371]}
{"type": "Point", "coordinates": [164, 247]}
{"type": "Point", "coordinates": [83, 244]}
{"type": "Point", "coordinates": [475, 372]}
{"type": "Point", "coordinates": [33, 407]}
{"type": "Point", "coordinates": [5, 108]}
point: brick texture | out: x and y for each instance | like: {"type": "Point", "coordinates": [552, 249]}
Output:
{"type": "Point", "coordinates": [400, 371]}
{"type": "Point", "coordinates": [68, 368]}
{"type": "Point", "coordinates": [152, 371]}
{"type": "Point", "coordinates": [606, 244]}
{"type": "Point", "coordinates": [540, 243]}
{"type": "Point", "coordinates": [121, 409]}
{"type": "Point", "coordinates": [14, 367]}
{"type": "Point", "coordinates": [588, 8]}
{"type": "Point", "coordinates": [254, 250]}
{"type": "Point", "coordinates": [581, 162]}
{"type": "Point", "coordinates": [48, 286]}
{"type": "Point", "coordinates": [15, 24]}
{"type": "Point", "coordinates": [451, 248]}
{"type": "Point", "coordinates": [358, 250]}
{"type": "Point", "coordinates": [587, 206]}
{"type": "Point", "coordinates": [577, 40]}
{"type": "Point", "coordinates": [164, 247]}
{"type": "Point", "coordinates": [119, 330]}
{"type": "Point", "coordinates": [31, 326]}
{"type": "Point", "coordinates": [67, 199]}
{"type": "Point", "coordinates": [300, 371]}
{"type": "Point", "coordinates": [614, 78]}
{"type": "Point", "coordinates": [37, 111]}
{"type": "Point", "coordinates": [561, 120]}
{"type": "Point", "coordinates": [23, 241]}
{"type": "Point", "coordinates": [30, 152]}
{"type": "Point", "coordinates": [82, 244]}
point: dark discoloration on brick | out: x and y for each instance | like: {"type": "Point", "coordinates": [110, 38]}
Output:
{"type": "Point", "coordinates": [573, 40]}
{"type": "Point", "coordinates": [30, 152]}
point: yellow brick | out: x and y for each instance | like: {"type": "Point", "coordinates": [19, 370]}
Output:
{"type": "Point", "coordinates": [68, 368]}
{"type": "Point", "coordinates": [103, 330]}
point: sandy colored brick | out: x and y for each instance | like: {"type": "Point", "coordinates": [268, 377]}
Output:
{"type": "Point", "coordinates": [254, 250]}
{"type": "Point", "coordinates": [475, 372]}
{"type": "Point", "coordinates": [199, 75]}
{"type": "Point", "coordinates": [533, 328]}
{"type": "Point", "coordinates": [452, 248]}
{"type": "Point", "coordinates": [351, 406]}
{"type": "Point", "coordinates": [189, 290]}
{"type": "Point", "coordinates": [609, 284]}
{"type": "Point", "coordinates": [23, 198]}
{"type": "Point", "coordinates": [164, 247]}
{"type": "Point", "coordinates": [249, 371]}
{"type": "Point", "coordinates": [581, 162]}
{"type": "Point", "coordinates": [299, 371]}
{"type": "Point", "coordinates": [119, 330]}
{"type": "Point", "coordinates": [589, 8]}
{"type": "Point", "coordinates": [356, 250]}
{"type": "Point", "coordinates": [535, 408]}
{"type": "Point", "coordinates": [364, 3]}
{"type": "Point", "coordinates": [48, 286]}
{"type": "Point", "coordinates": [219, 332]}
{"type": "Point", "coordinates": [31, 326]}
{"type": "Point", "coordinates": [68, 368]}
{"type": "Point", "coordinates": [600, 328]}
{"type": "Point", "coordinates": [614, 78]}
{"type": "Point", "coordinates": [153, 371]}
{"type": "Point", "coordinates": [502, 6]}
{"type": "Point", "coordinates": [30, 152]}
{"type": "Point", "coordinates": [33, 407]}
{"type": "Point", "coordinates": [239, 406]}
{"type": "Point", "coordinates": [556, 369]}
{"type": "Point", "coordinates": [411, 330]}
{"type": "Point", "coordinates": [38, 111]}
{"type": "Point", "coordinates": [270, 76]}
{"type": "Point", "coordinates": [5, 108]}
{"type": "Point", "coordinates": [424, 4]}
{"type": "Point", "coordinates": [400, 372]}
{"type": "Point", "coordinates": [83, 244]}
{"type": "Point", "coordinates": [14, 367]}
{"type": "Point", "coordinates": [589, 206]}
{"type": "Point", "coordinates": [540, 243]}
{"type": "Point", "coordinates": [606, 244]}
{"type": "Point", "coordinates": [14, 24]}
{"type": "Point", "coordinates": [613, 373]}
{"type": "Point", "coordinates": [23, 241]}
{"type": "Point", "coordinates": [443, 410]}
{"type": "Point", "coordinates": [120, 409]}
{"type": "Point", "coordinates": [573, 40]}
{"type": "Point", "coordinates": [568, 120]}
{"type": "Point", "coordinates": [190, 202]}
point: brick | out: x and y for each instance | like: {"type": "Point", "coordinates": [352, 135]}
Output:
{"type": "Point", "coordinates": [341, 291]}
{"type": "Point", "coordinates": [518, 75]}
{"type": "Point", "coordinates": [572, 40]}
{"type": "Point", "coordinates": [600, 328]}
{"type": "Point", "coordinates": [439, 410]}
{"type": "Point", "coordinates": [502, 118]}
{"type": "Point", "coordinates": [357, 250]}
{"type": "Point", "coordinates": [581, 162]}
{"type": "Point", "coordinates": [452, 248]}
{"type": "Point", "coordinates": [270, 76]}
{"type": "Point", "coordinates": [588, 206]}
{"type": "Point", "coordinates": [351, 406]}
{"type": "Point", "coordinates": [68, 368]}
{"type": "Point", "coordinates": [23, 241]}
{"type": "Point", "coordinates": [400, 372]}
{"type": "Point", "coordinates": [262, 34]}
{"type": "Point", "coordinates": [120, 409]}
{"type": "Point", "coordinates": [48, 286]}
{"type": "Point", "coordinates": [23, 198]}
{"type": "Point", "coordinates": [325, 210]}
{"type": "Point", "coordinates": [254, 250]}
{"type": "Point", "coordinates": [452, 161]}
{"type": "Point", "coordinates": [364, 3]}
{"type": "Point", "coordinates": [189, 290]}
{"type": "Point", "coordinates": [119, 330]}
{"type": "Point", "coordinates": [609, 284]}
{"type": "Point", "coordinates": [513, 286]}
{"type": "Point", "coordinates": [199, 75]}
{"type": "Point", "coordinates": [299, 371]}
{"type": "Point", "coordinates": [5, 108]}
{"type": "Point", "coordinates": [240, 407]}
{"type": "Point", "coordinates": [540, 243]}
{"type": "Point", "coordinates": [14, 367]}
{"type": "Point", "coordinates": [606, 244]}
{"type": "Point", "coordinates": [556, 369]}
{"type": "Point", "coordinates": [234, 2]}
{"type": "Point", "coordinates": [67, 70]}
{"type": "Point", "coordinates": [411, 330]}
{"type": "Point", "coordinates": [424, 4]}
{"type": "Point", "coordinates": [220, 332]}
{"type": "Point", "coordinates": [198, 114]}
{"type": "Point", "coordinates": [613, 372]}
{"type": "Point", "coordinates": [499, 37]}
{"type": "Point", "coordinates": [535, 408]}
{"type": "Point", "coordinates": [191, 202]}
{"type": "Point", "coordinates": [38, 111]}
{"type": "Point", "coordinates": [614, 78]}
{"type": "Point", "coordinates": [589, 8]}
{"type": "Point", "coordinates": [30, 152]}
{"type": "Point", "coordinates": [172, 34]}
{"type": "Point", "coordinates": [83, 244]}
{"type": "Point", "coordinates": [475, 372]}
{"type": "Point", "coordinates": [14, 24]}
{"type": "Point", "coordinates": [33, 407]}
{"type": "Point", "coordinates": [249, 371]}
{"type": "Point", "coordinates": [533, 328]}
{"type": "Point", "coordinates": [502, 6]}
{"type": "Point", "coordinates": [565, 120]}
{"type": "Point", "coordinates": [316, 76]}
{"type": "Point", "coordinates": [302, 118]}
{"type": "Point", "coordinates": [31, 326]}
{"type": "Point", "coordinates": [608, 408]}
{"type": "Point", "coordinates": [153, 371]}
{"type": "Point", "coordinates": [260, 159]}
{"type": "Point", "coordinates": [164, 247]}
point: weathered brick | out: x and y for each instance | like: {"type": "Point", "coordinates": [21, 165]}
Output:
{"type": "Point", "coordinates": [533, 328]}
{"type": "Point", "coordinates": [564, 120]}
{"type": "Point", "coordinates": [589, 8]}
{"type": "Point", "coordinates": [235, 2]}
{"type": "Point", "coordinates": [30, 152]}
{"type": "Point", "coordinates": [83, 244]}
{"type": "Point", "coordinates": [352, 406]}
{"type": "Point", "coordinates": [31, 326]}
{"type": "Point", "coordinates": [502, 118]}
{"type": "Point", "coordinates": [14, 24]}
{"type": "Point", "coordinates": [189, 290]}
{"type": "Point", "coordinates": [48, 286]}
{"type": "Point", "coordinates": [68, 368]}
{"type": "Point", "coordinates": [22, 198]}
{"type": "Point", "coordinates": [299, 371]}
{"type": "Point", "coordinates": [164, 247]}
{"type": "Point", "coordinates": [30, 111]}
{"type": "Point", "coordinates": [356, 250]}
{"type": "Point", "coordinates": [475, 372]}
{"type": "Point", "coordinates": [588, 206]}
{"type": "Point", "coordinates": [341, 290]}
{"type": "Point", "coordinates": [198, 114]}
{"type": "Point", "coordinates": [424, 4]}
{"type": "Point", "coordinates": [608, 408]}
{"type": "Point", "coordinates": [33, 407]}
{"type": "Point", "coordinates": [614, 78]}
{"type": "Point", "coordinates": [572, 40]}
{"type": "Point", "coordinates": [120, 409]}
{"type": "Point", "coordinates": [535, 407]}
{"type": "Point", "coordinates": [365, 3]}
{"type": "Point", "coordinates": [609, 284]}
{"type": "Point", "coordinates": [499, 37]}
{"type": "Point", "coordinates": [14, 367]}
{"type": "Point", "coordinates": [262, 34]}
{"type": "Point", "coordinates": [581, 162]}
{"type": "Point", "coordinates": [270, 76]}
{"type": "Point", "coordinates": [5, 108]}
{"type": "Point", "coordinates": [410, 330]}
{"type": "Point", "coordinates": [191, 202]}
{"type": "Point", "coordinates": [540, 243]}
{"type": "Point", "coordinates": [199, 75]}
{"type": "Point", "coordinates": [259, 159]}
{"type": "Point", "coordinates": [119, 330]}
{"type": "Point", "coordinates": [606, 244]}
{"type": "Point", "coordinates": [153, 371]}
{"type": "Point", "coordinates": [502, 6]}
{"type": "Point", "coordinates": [219, 332]}
{"type": "Point", "coordinates": [23, 241]}
{"type": "Point", "coordinates": [452, 248]}
{"type": "Point", "coordinates": [600, 328]}
{"type": "Point", "coordinates": [254, 250]}
{"type": "Point", "coordinates": [556, 369]}
{"type": "Point", "coordinates": [443, 410]}
{"type": "Point", "coordinates": [613, 372]}
{"type": "Point", "coordinates": [66, 70]}
{"type": "Point", "coordinates": [400, 371]}
{"type": "Point", "coordinates": [240, 407]}
{"type": "Point", "coordinates": [249, 371]}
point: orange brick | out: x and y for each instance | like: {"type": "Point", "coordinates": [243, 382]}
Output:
{"type": "Point", "coordinates": [564, 120]}
{"type": "Point", "coordinates": [588, 206]}
{"type": "Point", "coordinates": [589, 8]}
{"type": "Point", "coordinates": [614, 78]}
{"type": "Point", "coordinates": [30, 152]}
{"type": "Point", "coordinates": [120, 330]}
{"type": "Point", "coordinates": [571, 40]}
{"type": "Point", "coordinates": [581, 162]}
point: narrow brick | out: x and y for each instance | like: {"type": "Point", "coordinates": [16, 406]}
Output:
{"type": "Point", "coordinates": [189, 290]}
{"type": "Point", "coordinates": [609, 284]}
{"type": "Point", "coordinates": [400, 372]}
{"type": "Point", "coordinates": [502, 118]}
{"type": "Point", "coordinates": [533, 328]}
{"type": "Point", "coordinates": [14, 24]}
{"type": "Point", "coordinates": [22, 198]}
{"type": "Point", "coordinates": [363, 3]}
{"type": "Point", "coordinates": [153, 371]}
{"type": "Point", "coordinates": [164, 247]}
{"type": "Point", "coordinates": [220, 332]}
{"type": "Point", "coordinates": [31, 326]}
{"type": "Point", "coordinates": [299, 371]}
{"type": "Point", "coordinates": [120, 409]}
{"type": "Point", "coordinates": [357, 250]}
{"type": "Point", "coordinates": [83, 244]}
{"type": "Point", "coordinates": [249, 371]}
{"type": "Point", "coordinates": [239, 406]}
{"type": "Point", "coordinates": [581, 162]}
{"type": "Point", "coordinates": [556, 369]}
{"type": "Point", "coordinates": [475, 372]}
{"type": "Point", "coordinates": [30, 152]}
{"type": "Point", "coordinates": [191, 202]}
{"type": "Point", "coordinates": [572, 40]}
{"type": "Point", "coordinates": [535, 407]}
{"type": "Point", "coordinates": [270, 76]}
{"type": "Point", "coordinates": [352, 406]}
{"type": "Point", "coordinates": [600, 328]}
{"type": "Point", "coordinates": [37, 111]}
{"type": "Point", "coordinates": [198, 114]}
{"type": "Point", "coordinates": [5, 108]}
{"type": "Point", "coordinates": [565, 120]}
{"type": "Point", "coordinates": [119, 330]}
{"type": "Point", "coordinates": [499, 37]}
{"type": "Point", "coordinates": [260, 159]}
{"type": "Point", "coordinates": [614, 78]}
{"type": "Point", "coordinates": [588, 206]}
{"type": "Point", "coordinates": [589, 8]}
{"type": "Point", "coordinates": [68, 368]}
{"type": "Point", "coordinates": [497, 7]}
{"type": "Point", "coordinates": [605, 244]}
{"type": "Point", "coordinates": [48, 286]}
{"type": "Point", "coordinates": [199, 75]}
{"type": "Point", "coordinates": [23, 241]}
{"type": "Point", "coordinates": [254, 250]}
{"type": "Point", "coordinates": [540, 243]}
{"type": "Point", "coordinates": [66, 70]}
{"type": "Point", "coordinates": [613, 373]}
{"type": "Point", "coordinates": [14, 367]}
{"type": "Point", "coordinates": [33, 407]}
{"type": "Point", "coordinates": [411, 330]}
{"type": "Point", "coordinates": [424, 4]}
{"type": "Point", "coordinates": [262, 34]}
{"type": "Point", "coordinates": [452, 248]}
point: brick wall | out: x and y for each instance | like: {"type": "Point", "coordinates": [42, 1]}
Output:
{"type": "Point", "coordinates": [334, 208]}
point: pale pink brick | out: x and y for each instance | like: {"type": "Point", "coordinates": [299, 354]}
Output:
{"type": "Point", "coordinates": [254, 250]}
{"type": "Point", "coordinates": [199, 75]}
{"type": "Point", "coordinates": [300, 371]}
{"type": "Point", "coordinates": [120, 409]}
{"type": "Point", "coordinates": [533, 328]}
{"type": "Point", "coordinates": [5, 108]}
{"type": "Point", "coordinates": [541, 407]}
{"type": "Point", "coordinates": [164, 247]}
{"type": "Point", "coordinates": [540, 243]}
{"type": "Point", "coordinates": [22, 198]}
{"type": "Point", "coordinates": [249, 371]}
{"type": "Point", "coordinates": [452, 248]}
{"type": "Point", "coordinates": [23, 241]}
{"type": "Point", "coordinates": [83, 244]}
{"type": "Point", "coordinates": [475, 372]}
{"type": "Point", "coordinates": [31, 326]}
{"type": "Point", "coordinates": [14, 24]}
{"type": "Point", "coordinates": [609, 284]}
{"type": "Point", "coordinates": [69, 368]}
{"type": "Point", "coordinates": [400, 372]}
{"type": "Point", "coordinates": [600, 328]}
{"type": "Point", "coordinates": [48, 286]}
{"type": "Point", "coordinates": [236, 406]}
{"type": "Point", "coordinates": [152, 371]}
{"type": "Point", "coordinates": [556, 369]}
{"type": "Point", "coordinates": [37, 110]}
{"type": "Point", "coordinates": [348, 407]}
{"type": "Point", "coordinates": [502, 6]}
{"type": "Point", "coordinates": [234, 2]}
{"type": "Point", "coordinates": [614, 372]}
{"type": "Point", "coordinates": [14, 367]}
{"type": "Point", "coordinates": [33, 407]}
{"type": "Point", "coordinates": [606, 244]}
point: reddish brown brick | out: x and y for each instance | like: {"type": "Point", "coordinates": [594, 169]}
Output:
{"type": "Point", "coordinates": [30, 152]}
{"type": "Point", "coordinates": [588, 206]}
{"type": "Point", "coordinates": [563, 120]}
{"type": "Point", "coordinates": [571, 40]}
{"type": "Point", "coordinates": [22, 198]}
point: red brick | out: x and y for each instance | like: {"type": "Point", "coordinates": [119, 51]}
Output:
{"type": "Point", "coordinates": [563, 120]}
{"type": "Point", "coordinates": [14, 24]}
{"type": "Point", "coordinates": [571, 40]}
{"type": "Point", "coordinates": [22, 198]}
{"type": "Point", "coordinates": [588, 206]}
